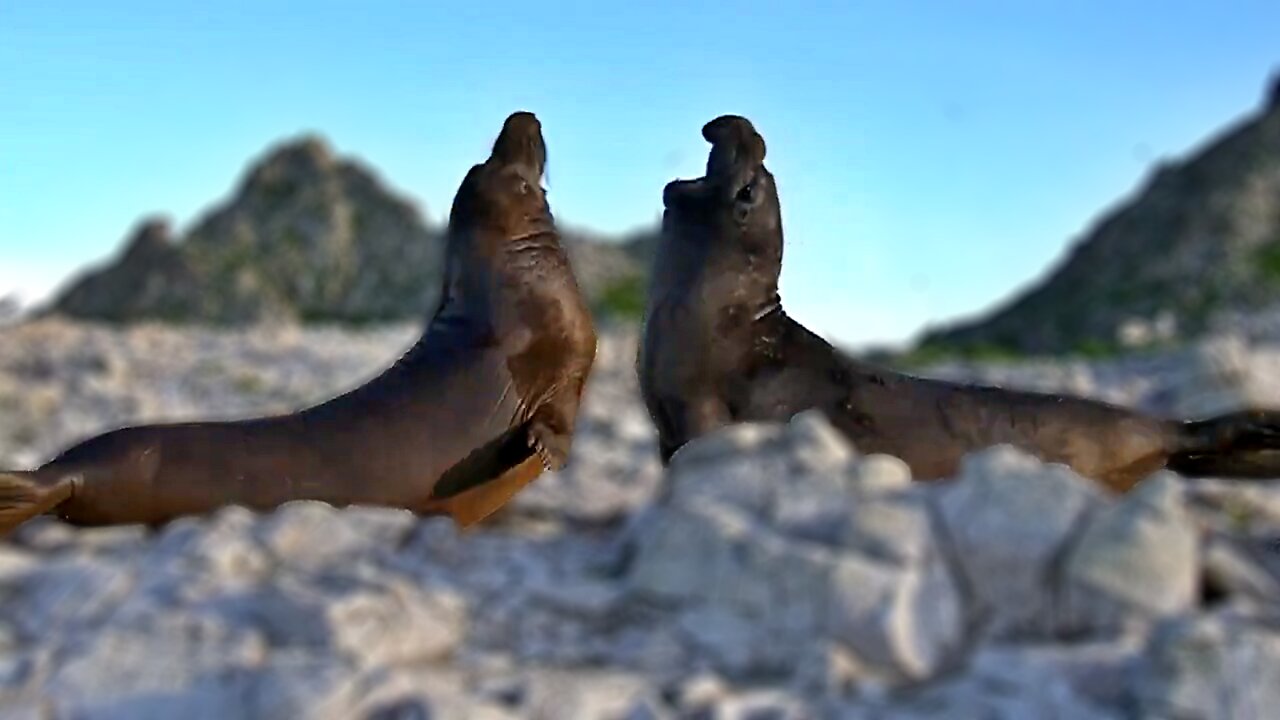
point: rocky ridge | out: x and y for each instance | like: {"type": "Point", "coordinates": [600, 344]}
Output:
{"type": "Point", "coordinates": [1200, 238]}
{"type": "Point", "coordinates": [307, 235]}
{"type": "Point", "coordinates": [772, 572]}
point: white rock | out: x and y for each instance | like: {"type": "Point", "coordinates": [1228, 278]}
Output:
{"type": "Point", "coordinates": [586, 695]}
{"type": "Point", "coordinates": [878, 473]}
{"type": "Point", "coordinates": [756, 594]}
{"type": "Point", "coordinates": [1230, 569]}
{"type": "Point", "coordinates": [1135, 560]}
{"type": "Point", "coordinates": [16, 563]}
{"type": "Point", "coordinates": [173, 666]}
{"type": "Point", "coordinates": [1222, 375]}
{"type": "Point", "coordinates": [194, 556]}
{"type": "Point", "coordinates": [698, 694]}
{"type": "Point", "coordinates": [586, 599]}
{"type": "Point", "coordinates": [424, 693]}
{"type": "Point", "coordinates": [1220, 666]}
{"type": "Point", "coordinates": [809, 507]}
{"type": "Point", "coordinates": [685, 555]}
{"type": "Point", "coordinates": [310, 535]}
{"type": "Point", "coordinates": [890, 527]}
{"type": "Point", "coordinates": [732, 440]}
{"type": "Point", "coordinates": [1248, 508]}
{"type": "Point", "coordinates": [397, 623]}
{"type": "Point", "coordinates": [817, 446]}
{"type": "Point", "coordinates": [809, 497]}
{"type": "Point", "coordinates": [972, 698]}
{"type": "Point", "coordinates": [1007, 516]}
{"type": "Point", "coordinates": [301, 686]}
{"type": "Point", "coordinates": [899, 619]}
{"type": "Point", "coordinates": [780, 558]}
{"type": "Point", "coordinates": [828, 670]}
{"type": "Point", "coordinates": [1096, 673]}
{"type": "Point", "coordinates": [740, 466]}
{"type": "Point", "coordinates": [26, 709]}
{"type": "Point", "coordinates": [64, 594]}
{"type": "Point", "coordinates": [603, 482]}
{"type": "Point", "coordinates": [763, 705]}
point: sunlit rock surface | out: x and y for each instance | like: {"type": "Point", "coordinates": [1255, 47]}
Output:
{"type": "Point", "coordinates": [778, 574]}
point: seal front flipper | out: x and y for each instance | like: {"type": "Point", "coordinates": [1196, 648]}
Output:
{"type": "Point", "coordinates": [552, 421]}
{"type": "Point", "coordinates": [551, 436]}
{"type": "Point", "coordinates": [471, 506]}
{"type": "Point", "coordinates": [485, 464]}
{"type": "Point", "coordinates": [486, 479]}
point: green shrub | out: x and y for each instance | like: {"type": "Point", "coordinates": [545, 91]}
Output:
{"type": "Point", "coordinates": [1268, 259]}
{"type": "Point", "coordinates": [623, 299]}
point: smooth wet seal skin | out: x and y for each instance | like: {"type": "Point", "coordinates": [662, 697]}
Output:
{"type": "Point", "coordinates": [483, 402]}
{"type": "Point", "coordinates": [718, 348]}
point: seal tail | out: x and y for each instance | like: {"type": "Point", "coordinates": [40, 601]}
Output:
{"type": "Point", "coordinates": [24, 495]}
{"type": "Point", "coordinates": [1239, 445]}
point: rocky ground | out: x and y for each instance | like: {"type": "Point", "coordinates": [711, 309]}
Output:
{"type": "Point", "coordinates": [772, 573]}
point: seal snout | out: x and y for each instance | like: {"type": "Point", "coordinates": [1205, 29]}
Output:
{"type": "Point", "coordinates": [728, 126]}
{"type": "Point", "coordinates": [736, 148]}
{"type": "Point", "coordinates": [678, 190]}
{"type": "Point", "coordinates": [521, 142]}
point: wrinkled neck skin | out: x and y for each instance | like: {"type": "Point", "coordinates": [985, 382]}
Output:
{"type": "Point", "coordinates": [483, 247]}
{"type": "Point", "coordinates": [479, 261]}
{"type": "Point", "coordinates": [709, 260]}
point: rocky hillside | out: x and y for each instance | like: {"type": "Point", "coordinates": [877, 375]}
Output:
{"type": "Point", "coordinates": [772, 572]}
{"type": "Point", "coordinates": [1202, 237]}
{"type": "Point", "coordinates": [308, 236]}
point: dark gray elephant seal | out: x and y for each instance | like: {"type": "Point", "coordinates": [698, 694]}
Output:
{"type": "Point", "coordinates": [718, 348]}
{"type": "Point", "coordinates": [482, 403]}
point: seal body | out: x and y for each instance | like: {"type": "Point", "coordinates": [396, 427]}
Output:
{"type": "Point", "coordinates": [477, 408]}
{"type": "Point", "coordinates": [718, 348]}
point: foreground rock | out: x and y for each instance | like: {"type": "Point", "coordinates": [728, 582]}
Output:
{"type": "Point", "coordinates": [761, 548]}
{"type": "Point", "coordinates": [1223, 665]}
{"type": "Point", "coordinates": [1009, 520]}
{"type": "Point", "coordinates": [780, 575]}
{"type": "Point", "coordinates": [1137, 559]}
{"type": "Point", "coordinates": [773, 572]}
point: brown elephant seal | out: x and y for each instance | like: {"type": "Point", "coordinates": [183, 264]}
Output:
{"type": "Point", "coordinates": [477, 408]}
{"type": "Point", "coordinates": [718, 348]}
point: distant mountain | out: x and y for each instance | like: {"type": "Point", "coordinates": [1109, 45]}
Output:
{"type": "Point", "coordinates": [312, 237]}
{"type": "Point", "coordinates": [10, 310]}
{"type": "Point", "coordinates": [1202, 237]}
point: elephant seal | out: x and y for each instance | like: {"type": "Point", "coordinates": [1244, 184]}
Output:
{"type": "Point", "coordinates": [718, 348]}
{"type": "Point", "coordinates": [482, 403]}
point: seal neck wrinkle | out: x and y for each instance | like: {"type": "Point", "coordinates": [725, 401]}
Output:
{"type": "Point", "coordinates": [542, 238]}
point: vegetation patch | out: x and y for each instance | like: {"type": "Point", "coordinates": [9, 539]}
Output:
{"type": "Point", "coordinates": [934, 353]}
{"type": "Point", "coordinates": [623, 299]}
{"type": "Point", "coordinates": [1093, 349]}
{"type": "Point", "coordinates": [1268, 261]}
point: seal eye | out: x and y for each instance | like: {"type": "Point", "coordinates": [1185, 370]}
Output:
{"type": "Point", "coordinates": [747, 193]}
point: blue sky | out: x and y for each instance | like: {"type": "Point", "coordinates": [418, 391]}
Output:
{"type": "Point", "coordinates": [931, 156]}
